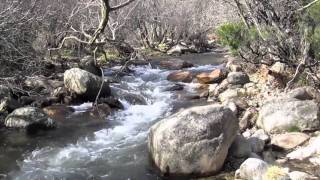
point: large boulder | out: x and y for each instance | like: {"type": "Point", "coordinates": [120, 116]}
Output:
{"type": "Point", "coordinates": [289, 114]}
{"type": "Point", "coordinates": [29, 118]}
{"type": "Point", "coordinates": [194, 141]}
{"type": "Point", "coordinates": [215, 76]}
{"type": "Point", "coordinates": [180, 76]}
{"type": "Point", "coordinates": [85, 84]}
{"type": "Point", "coordinates": [236, 78]}
{"type": "Point", "coordinates": [175, 64]}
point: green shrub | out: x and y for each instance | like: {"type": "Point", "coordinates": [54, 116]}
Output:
{"type": "Point", "coordinates": [236, 35]}
{"type": "Point", "coordinates": [230, 34]}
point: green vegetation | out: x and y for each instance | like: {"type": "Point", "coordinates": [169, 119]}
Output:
{"type": "Point", "coordinates": [294, 129]}
{"type": "Point", "coordinates": [236, 35]}
{"type": "Point", "coordinates": [231, 35]}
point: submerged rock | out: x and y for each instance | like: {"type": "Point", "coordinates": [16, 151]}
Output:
{"type": "Point", "coordinates": [30, 118]}
{"type": "Point", "coordinates": [194, 141]}
{"type": "Point", "coordinates": [289, 114]}
{"type": "Point", "coordinates": [85, 84]}
{"type": "Point", "coordinates": [180, 76]}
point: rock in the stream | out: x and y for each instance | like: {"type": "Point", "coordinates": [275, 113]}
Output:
{"type": "Point", "coordinates": [29, 118]}
{"type": "Point", "coordinates": [85, 84]}
{"type": "Point", "coordinates": [176, 87]}
{"type": "Point", "coordinates": [236, 78]}
{"type": "Point", "coordinates": [101, 111]}
{"type": "Point", "coordinates": [134, 99]}
{"type": "Point", "coordinates": [87, 63]}
{"type": "Point", "coordinates": [194, 141]}
{"type": "Point", "coordinates": [112, 102]}
{"type": "Point", "coordinates": [215, 76]}
{"type": "Point", "coordinates": [289, 140]}
{"type": "Point", "coordinates": [175, 64]}
{"type": "Point", "coordinates": [289, 114]}
{"type": "Point", "coordinates": [180, 76]}
{"type": "Point", "coordinates": [252, 169]}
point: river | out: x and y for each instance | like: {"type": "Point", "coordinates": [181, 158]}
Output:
{"type": "Point", "coordinates": [111, 149]}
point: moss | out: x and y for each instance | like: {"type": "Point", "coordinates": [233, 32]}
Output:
{"type": "Point", "coordinates": [66, 53]}
{"type": "Point", "coordinates": [275, 173]}
{"type": "Point", "coordinates": [294, 129]}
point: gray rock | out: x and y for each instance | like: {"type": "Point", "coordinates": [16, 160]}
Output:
{"type": "Point", "coordinates": [252, 169]}
{"type": "Point", "coordinates": [85, 84]}
{"type": "Point", "coordinates": [236, 78]}
{"type": "Point", "coordinates": [29, 117]}
{"type": "Point", "coordinates": [193, 141]}
{"type": "Point", "coordinates": [289, 140]}
{"type": "Point", "coordinates": [240, 147]}
{"type": "Point", "coordinates": [297, 175]}
{"type": "Point", "coordinates": [289, 114]}
{"type": "Point", "coordinates": [305, 93]}
{"type": "Point", "coordinates": [256, 144]}
{"type": "Point", "coordinates": [4, 92]}
{"type": "Point", "coordinates": [231, 94]}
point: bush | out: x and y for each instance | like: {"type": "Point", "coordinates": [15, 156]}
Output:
{"type": "Point", "coordinates": [230, 34]}
{"type": "Point", "coordinates": [236, 35]}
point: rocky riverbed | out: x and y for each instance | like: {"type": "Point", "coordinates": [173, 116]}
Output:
{"type": "Point", "coordinates": [167, 118]}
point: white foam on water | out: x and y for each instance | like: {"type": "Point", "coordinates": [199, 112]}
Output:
{"type": "Point", "coordinates": [57, 162]}
{"type": "Point", "coordinates": [82, 107]}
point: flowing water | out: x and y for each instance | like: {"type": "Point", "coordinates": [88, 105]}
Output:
{"type": "Point", "coordinates": [117, 151]}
